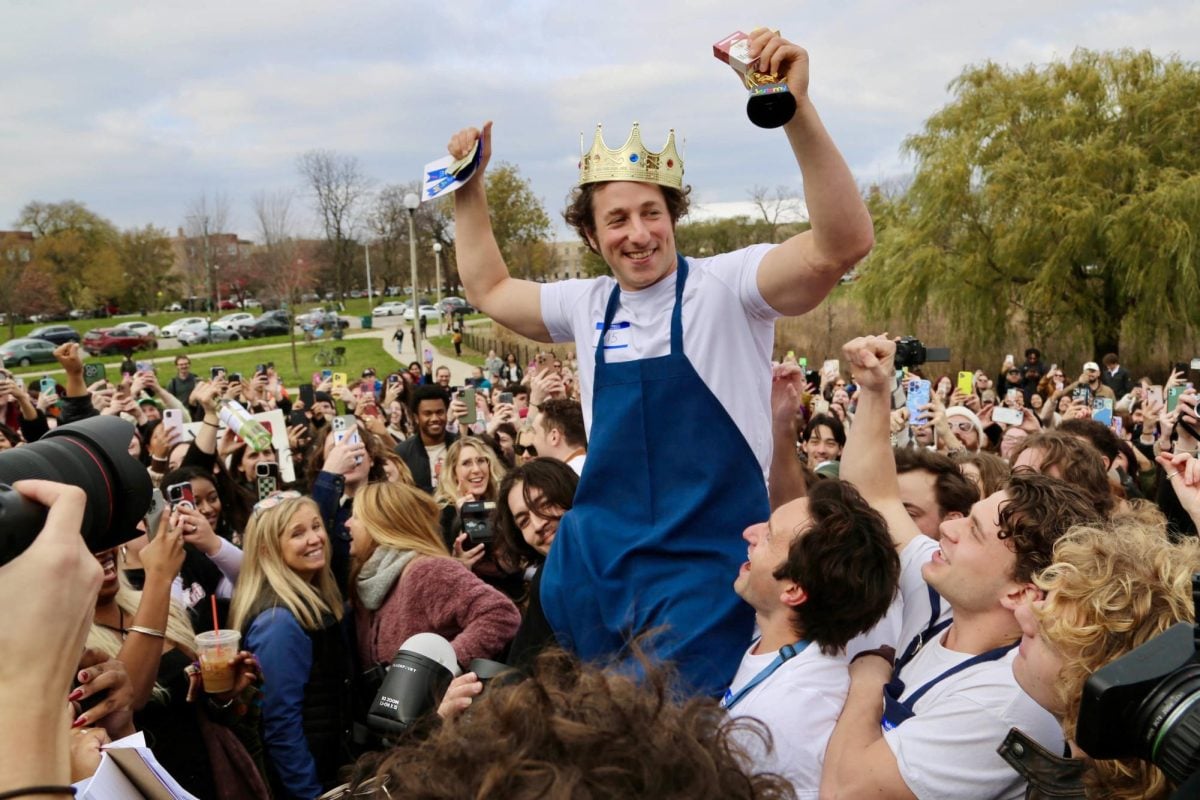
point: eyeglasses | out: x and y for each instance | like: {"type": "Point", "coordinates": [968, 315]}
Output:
{"type": "Point", "coordinates": [962, 427]}
{"type": "Point", "coordinates": [522, 449]}
{"type": "Point", "coordinates": [275, 499]}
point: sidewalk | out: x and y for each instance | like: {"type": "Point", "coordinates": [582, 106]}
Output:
{"type": "Point", "coordinates": [459, 370]}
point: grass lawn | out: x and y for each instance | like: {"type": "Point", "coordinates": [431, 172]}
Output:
{"type": "Point", "coordinates": [445, 346]}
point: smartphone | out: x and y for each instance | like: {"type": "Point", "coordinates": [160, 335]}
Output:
{"type": "Point", "coordinates": [1195, 363]}
{"type": "Point", "coordinates": [506, 397]}
{"type": "Point", "coordinates": [1173, 397]}
{"type": "Point", "coordinates": [467, 395]}
{"type": "Point", "coordinates": [832, 367]}
{"type": "Point", "coordinates": [215, 373]}
{"type": "Point", "coordinates": [267, 474]}
{"type": "Point", "coordinates": [345, 426]}
{"type": "Point", "coordinates": [1118, 427]}
{"type": "Point", "coordinates": [803, 362]}
{"type": "Point", "coordinates": [1007, 416]}
{"type": "Point", "coordinates": [1010, 396]}
{"type": "Point", "coordinates": [1102, 402]}
{"type": "Point", "coordinates": [339, 380]}
{"type": "Point", "coordinates": [260, 369]}
{"type": "Point", "coordinates": [1102, 415]}
{"type": "Point", "coordinates": [47, 385]}
{"type": "Point", "coordinates": [179, 495]}
{"type": "Point", "coordinates": [393, 378]}
{"type": "Point", "coordinates": [1154, 395]}
{"type": "Point", "coordinates": [307, 396]}
{"type": "Point", "coordinates": [918, 395]}
{"type": "Point", "coordinates": [791, 354]}
{"type": "Point", "coordinates": [93, 372]}
{"type": "Point", "coordinates": [326, 375]}
{"type": "Point", "coordinates": [173, 421]}
{"type": "Point", "coordinates": [235, 377]}
{"type": "Point", "coordinates": [145, 366]}
{"type": "Point", "coordinates": [1082, 393]}
{"type": "Point", "coordinates": [297, 418]}
{"type": "Point", "coordinates": [966, 382]}
{"type": "Point", "coordinates": [158, 505]}
{"type": "Point", "coordinates": [1008, 359]}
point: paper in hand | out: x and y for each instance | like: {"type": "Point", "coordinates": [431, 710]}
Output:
{"type": "Point", "coordinates": [448, 173]}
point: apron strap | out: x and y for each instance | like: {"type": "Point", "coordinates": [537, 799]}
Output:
{"type": "Point", "coordinates": [990, 655]}
{"type": "Point", "coordinates": [614, 302]}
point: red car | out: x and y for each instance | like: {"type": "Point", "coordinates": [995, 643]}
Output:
{"type": "Point", "coordinates": [105, 341]}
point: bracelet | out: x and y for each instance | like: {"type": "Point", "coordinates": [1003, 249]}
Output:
{"type": "Point", "coordinates": [206, 422]}
{"type": "Point", "coordinates": [30, 790]}
{"type": "Point", "coordinates": [146, 631]}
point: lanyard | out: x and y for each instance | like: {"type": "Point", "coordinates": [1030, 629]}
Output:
{"type": "Point", "coordinates": [786, 652]}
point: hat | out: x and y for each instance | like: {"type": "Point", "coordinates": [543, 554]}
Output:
{"type": "Point", "coordinates": [322, 397]}
{"type": "Point", "coordinates": [147, 400]}
{"type": "Point", "coordinates": [1013, 368]}
{"type": "Point", "coordinates": [969, 416]}
{"type": "Point", "coordinates": [1091, 365]}
{"type": "Point", "coordinates": [829, 469]}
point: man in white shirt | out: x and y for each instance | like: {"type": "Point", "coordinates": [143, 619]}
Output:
{"type": "Point", "coordinates": [558, 432]}
{"type": "Point", "coordinates": [821, 571]}
{"type": "Point", "coordinates": [929, 726]}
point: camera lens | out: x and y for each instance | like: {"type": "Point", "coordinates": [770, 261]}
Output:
{"type": "Point", "coordinates": [1169, 723]}
{"type": "Point", "coordinates": [92, 454]}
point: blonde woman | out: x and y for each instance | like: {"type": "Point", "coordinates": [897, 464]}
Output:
{"type": "Point", "coordinates": [1108, 591]}
{"type": "Point", "coordinates": [288, 608]}
{"type": "Point", "coordinates": [405, 581]}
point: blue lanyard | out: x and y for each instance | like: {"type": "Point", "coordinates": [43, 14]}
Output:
{"type": "Point", "coordinates": [786, 652]}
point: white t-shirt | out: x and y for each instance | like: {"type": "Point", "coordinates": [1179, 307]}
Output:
{"type": "Point", "coordinates": [948, 750]}
{"type": "Point", "coordinates": [577, 462]}
{"type": "Point", "coordinates": [799, 703]}
{"type": "Point", "coordinates": [728, 333]}
{"type": "Point", "coordinates": [914, 591]}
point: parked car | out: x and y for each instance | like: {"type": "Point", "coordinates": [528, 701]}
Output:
{"type": "Point", "coordinates": [59, 334]}
{"type": "Point", "coordinates": [79, 313]}
{"type": "Point", "coordinates": [429, 313]}
{"type": "Point", "coordinates": [319, 318]}
{"type": "Point", "coordinates": [236, 321]}
{"type": "Point", "coordinates": [455, 305]}
{"type": "Point", "coordinates": [27, 351]}
{"type": "Point", "coordinates": [390, 308]}
{"type": "Point", "coordinates": [121, 339]}
{"type": "Point", "coordinates": [228, 305]}
{"type": "Point", "coordinates": [251, 302]}
{"type": "Point", "coordinates": [143, 328]}
{"type": "Point", "coordinates": [203, 333]}
{"type": "Point", "coordinates": [172, 329]}
{"type": "Point", "coordinates": [272, 323]}
{"type": "Point", "coordinates": [176, 306]}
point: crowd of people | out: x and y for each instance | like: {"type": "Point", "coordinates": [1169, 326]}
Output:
{"type": "Point", "coordinates": [709, 575]}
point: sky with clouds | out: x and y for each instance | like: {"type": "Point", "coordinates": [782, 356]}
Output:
{"type": "Point", "coordinates": [136, 108]}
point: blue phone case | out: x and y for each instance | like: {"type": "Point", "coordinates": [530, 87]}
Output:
{"type": "Point", "coordinates": [918, 395]}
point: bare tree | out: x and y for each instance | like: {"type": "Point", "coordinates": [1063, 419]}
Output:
{"type": "Point", "coordinates": [287, 275]}
{"type": "Point", "coordinates": [777, 206]}
{"type": "Point", "coordinates": [207, 216]}
{"type": "Point", "coordinates": [388, 222]}
{"type": "Point", "coordinates": [339, 187]}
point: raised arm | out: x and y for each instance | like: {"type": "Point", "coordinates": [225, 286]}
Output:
{"type": "Point", "coordinates": [514, 303]}
{"type": "Point", "coordinates": [787, 480]}
{"type": "Point", "coordinates": [796, 276]}
{"type": "Point", "coordinates": [867, 459]}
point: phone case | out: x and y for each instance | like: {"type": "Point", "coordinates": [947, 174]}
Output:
{"type": "Point", "coordinates": [966, 382]}
{"type": "Point", "coordinates": [266, 485]}
{"type": "Point", "coordinates": [918, 395]}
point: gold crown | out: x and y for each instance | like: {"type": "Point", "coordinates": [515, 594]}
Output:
{"type": "Point", "coordinates": [633, 162]}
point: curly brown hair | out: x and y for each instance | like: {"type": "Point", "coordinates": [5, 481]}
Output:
{"type": "Point", "coordinates": [1038, 510]}
{"type": "Point", "coordinates": [1074, 460]}
{"type": "Point", "coordinates": [580, 213]}
{"type": "Point", "coordinates": [571, 731]}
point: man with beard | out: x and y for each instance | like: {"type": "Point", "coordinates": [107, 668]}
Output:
{"type": "Point", "coordinates": [423, 453]}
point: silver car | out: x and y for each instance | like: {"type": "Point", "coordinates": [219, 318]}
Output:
{"type": "Point", "coordinates": [200, 333]}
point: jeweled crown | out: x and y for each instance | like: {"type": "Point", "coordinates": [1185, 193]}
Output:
{"type": "Point", "coordinates": [632, 162]}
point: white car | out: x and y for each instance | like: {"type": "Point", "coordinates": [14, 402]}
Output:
{"type": "Point", "coordinates": [389, 308]}
{"type": "Point", "coordinates": [143, 328]}
{"type": "Point", "coordinates": [237, 321]}
{"type": "Point", "coordinates": [428, 313]}
{"type": "Point", "coordinates": [171, 330]}
{"type": "Point", "coordinates": [203, 333]}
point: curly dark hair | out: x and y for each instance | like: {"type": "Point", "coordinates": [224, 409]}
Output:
{"type": "Point", "coordinates": [1037, 512]}
{"type": "Point", "coordinates": [1072, 458]}
{"type": "Point", "coordinates": [846, 563]}
{"type": "Point", "coordinates": [574, 730]}
{"type": "Point", "coordinates": [580, 213]}
{"type": "Point", "coordinates": [953, 490]}
{"type": "Point", "coordinates": [556, 482]}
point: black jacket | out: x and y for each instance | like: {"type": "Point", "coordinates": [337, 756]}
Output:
{"type": "Point", "coordinates": [412, 450]}
{"type": "Point", "coordinates": [1120, 382]}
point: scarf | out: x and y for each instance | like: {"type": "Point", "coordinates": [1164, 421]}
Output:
{"type": "Point", "coordinates": [380, 573]}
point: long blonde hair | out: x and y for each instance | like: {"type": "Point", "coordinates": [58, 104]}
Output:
{"type": "Point", "coordinates": [447, 488]}
{"type": "Point", "coordinates": [400, 516]}
{"type": "Point", "coordinates": [265, 581]}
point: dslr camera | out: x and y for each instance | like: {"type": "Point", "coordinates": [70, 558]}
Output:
{"type": "Point", "coordinates": [477, 521]}
{"type": "Point", "coordinates": [1146, 704]}
{"type": "Point", "coordinates": [912, 352]}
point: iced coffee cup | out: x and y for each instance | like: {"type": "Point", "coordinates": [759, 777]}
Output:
{"type": "Point", "coordinates": [217, 651]}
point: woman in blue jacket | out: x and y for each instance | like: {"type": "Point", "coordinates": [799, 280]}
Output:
{"type": "Point", "coordinates": [289, 611]}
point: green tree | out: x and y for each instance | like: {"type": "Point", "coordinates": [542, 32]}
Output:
{"type": "Point", "coordinates": [519, 219]}
{"type": "Point", "coordinates": [79, 246]}
{"type": "Point", "coordinates": [146, 260]}
{"type": "Point", "coordinates": [1059, 201]}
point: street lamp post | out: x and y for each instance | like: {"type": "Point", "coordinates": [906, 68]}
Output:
{"type": "Point", "coordinates": [411, 201]}
{"type": "Point", "coordinates": [370, 293]}
{"type": "Point", "coordinates": [437, 261]}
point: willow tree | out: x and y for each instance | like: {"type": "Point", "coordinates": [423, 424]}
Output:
{"type": "Point", "coordinates": [1061, 200]}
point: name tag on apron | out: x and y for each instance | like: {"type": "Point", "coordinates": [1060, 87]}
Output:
{"type": "Point", "coordinates": [617, 338]}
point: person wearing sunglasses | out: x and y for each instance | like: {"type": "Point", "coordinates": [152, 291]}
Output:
{"type": "Point", "coordinates": [524, 449]}
{"type": "Point", "coordinates": [289, 610]}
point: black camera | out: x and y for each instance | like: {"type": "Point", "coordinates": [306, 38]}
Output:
{"type": "Point", "coordinates": [1146, 704]}
{"type": "Point", "coordinates": [477, 521]}
{"type": "Point", "coordinates": [413, 687]}
{"type": "Point", "coordinates": [92, 454]}
{"type": "Point", "coordinates": [912, 352]}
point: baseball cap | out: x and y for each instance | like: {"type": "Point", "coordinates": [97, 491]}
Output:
{"type": "Point", "coordinates": [1091, 365]}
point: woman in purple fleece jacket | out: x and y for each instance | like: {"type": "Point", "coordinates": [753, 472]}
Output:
{"type": "Point", "coordinates": [406, 582]}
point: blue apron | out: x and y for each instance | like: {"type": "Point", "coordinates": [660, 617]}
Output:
{"type": "Point", "coordinates": [897, 712]}
{"type": "Point", "coordinates": [653, 542]}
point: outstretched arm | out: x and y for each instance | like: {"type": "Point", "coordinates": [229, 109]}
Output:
{"type": "Point", "coordinates": [514, 303]}
{"type": "Point", "coordinates": [796, 276]}
{"type": "Point", "coordinates": [867, 460]}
